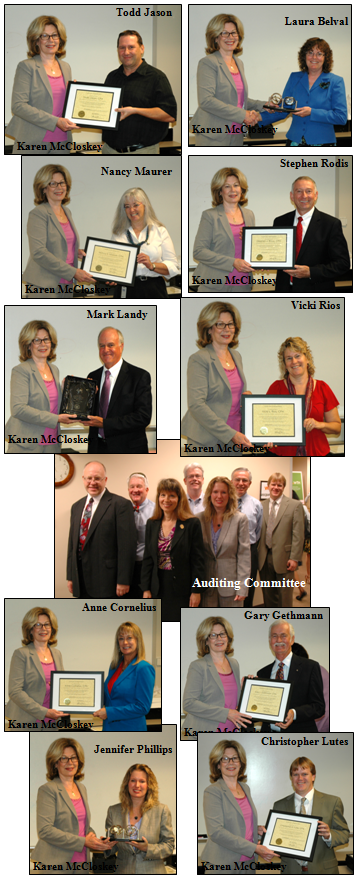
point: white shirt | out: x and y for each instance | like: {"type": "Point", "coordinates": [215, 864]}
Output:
{"type": "Point", "coordinates": [308, 810]}
{"type": "Point", "coordinates": [159, 248]}
{"type": "Point", "coordinates": [277, 502]}
{"type": "Point", "coordinates": [114, 372]}
{"type": "Point", "coordinates": [286, 669]}
{"type": "Point", "coordinates": [305, 220]}
{"type": "Point", "coordinates": [96, 500]}
{"type": "Point", "coordinates": [196, 504]}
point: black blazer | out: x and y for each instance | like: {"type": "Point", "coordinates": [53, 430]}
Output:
{"type": "Point", "coordinates": [129, 411]}
{"type": "Point", "coordinates": [187, 556]}
{"type": "Point", "coordinates": [307, 696]}
{"type": "Point", "coordinates": [324, 249]}
{"type": "Point", "coordinates": [108, 555]}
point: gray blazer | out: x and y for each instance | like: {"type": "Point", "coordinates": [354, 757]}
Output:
{"type": "Point", "coordinates": [156, 826]}
{"type": "Point", "coordinates": [330, 809]}
{"type": "Point", "coordinates": [209, 397]}
{"type": "Point", "coordinates": [226, 826]}
{"type": "Point", "coordinates": [48, 248]}
{"type": "Point", "coordinates": [32, 101]}
{"type": "Point", "coordinates": [57, 824]}
{"type": "Point", "coordinates": [214, 248]}
{"type": "Point", "coordinates": [233, 559]}
{"type": "Point", "coordinates": [217, 99]}
{"type": "Point", "coordinates": [30, 407]}
{"type": "Point", "coordinates": [27, 684]}
{"type": "Point", "coordinates": [203, 696]}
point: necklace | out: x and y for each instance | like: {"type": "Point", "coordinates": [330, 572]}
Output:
{"type": "Point", "coordinates": [43, 654]}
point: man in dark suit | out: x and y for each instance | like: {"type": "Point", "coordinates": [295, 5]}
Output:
{"type": "Point", "coordinates": [102, 540]}
{"type": "Point", "coordinates": [307, 699]}
{"type": "Point", "coordinates": [281, 543]}
{"type": "Point", "coordinates": [123, 401]}
{"type": "Point", "coordinates": [321, 248]}
{"type": "Point", "coordinates": [332, 828]}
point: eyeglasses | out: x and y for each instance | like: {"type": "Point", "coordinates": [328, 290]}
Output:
{"type": "Point", "coordinates": [229, 34]}
{"type": "Point", "coordinates": [55, 185]}
{"type": "Point", "coordinates": [68, 760]}
{"type": "Point", "coordinates": [42, 626]}
{"type": "Point", "coordinates": [49, 37]}
{"type": "Point", "coordinates": [221, 326]}
{"type": "Point", "coordinates": [315, 54]}
{"type": "Point", "coordinates": [45, 341]}
{"type": "Point", "coordinates": [215, 635]}
{"type": "Point", "coordinates": [230, 760]}
{"type": "Point", "coordinates": [93, 478]}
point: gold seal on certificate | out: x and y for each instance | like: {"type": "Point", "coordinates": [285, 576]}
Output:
{"type": "Point", "coordinates": [76, 691]}
{"type": "Point", "coordinates": [292, 835]}
{"type": "Point", "coordinates": [265, 700]}
{"type": "Point", "coordinates": [277, 418]}
{"type": "Point", "coordinates": [81, 691]}
{"type": "Point", "coordinates": [92, 104]}
{"type": "Point", "coordinates": [110, 260]}
{"type": "Point", "coordinates": [268, 420]}
{"type": "Point", "coordinates": [270, 247]}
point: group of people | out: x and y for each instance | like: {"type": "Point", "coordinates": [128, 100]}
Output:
{"type": "Point", "coordinates": [128, 688]}
{"type": "Point", "coordinates": [120, 419]}
{"type": "Point", "coordinates": [223, 101]}
{"type": "Point", "coordinates": [232, 820]}
{"type": "Point", "coordinates": [54, 243]}
{"type": "Point", "coordinates": [174, 548]}
{"type": "Point", "coordinates": [216, 382]}
{"type": "Point", "coordinates": [38, 97]}
{"type": "Point", "coordinates": [321, 253]}
{"type": "Point", "coordinates": [63, 818]}
{"type": "Point", "coordinates": [213, 686]}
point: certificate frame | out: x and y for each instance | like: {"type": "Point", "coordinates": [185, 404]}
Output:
{"type": "Point", "coordinates": [76, 90]}
{"type": "Point", "coordinates": [250, 402]}
{"type": "Point", "coordinates": [88, 262]}
{"type": "Point", "coordinates": [249, 242]}
{"type": "Point", "coordinates": [272, 827]}
{"type": "Point", "coordinates": [60, 704]}
{"type": "Point", "coordinates": [282, 691]}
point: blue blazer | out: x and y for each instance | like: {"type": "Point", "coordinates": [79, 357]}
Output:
{"type": "Point", "coordinates": [327, 99]}
{"type": "Point", "coordinates": [130, 699]}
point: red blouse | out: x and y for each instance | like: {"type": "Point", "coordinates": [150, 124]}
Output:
{"type": "Point", "coordinates": [323, 400]}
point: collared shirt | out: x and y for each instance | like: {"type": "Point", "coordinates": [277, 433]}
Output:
{"type": "Point", "coordinates": [196, 504]}
{"type": "Point", "coordinates": [309, 798]}
{"type": "Point", "coordinates": [305, 220]}
{"type": "Point", "coordinates": [147, 87]}
{"type": "Point", "coordinates": [277, 502]}
{"type": "Point", "coordinates": [114, 372]}
{"type": "Point", "coordinates": [96, 500]}
{"type": "Point", "coordinates": [141, 516]}
{"type": "Point", "coordinates": [159, 248]}
{"type": "Point", "coordinates": [253, 510]}
{"type": "Point", "coordinates": [286, 669]}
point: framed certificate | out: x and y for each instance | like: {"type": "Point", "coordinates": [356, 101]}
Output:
{"type": "Point", "coordinates": [269, 247]}
{"type": "Point", "coordinates": [78, 397]}
{"type": "Point", "coordinates": [294, 836]}
{"type": "Point", "coordinates": [265, 699]}
{"type": "Point", "coordinates": [269, 419]}
{"type": "Point", "coordinates": [78, 692]}
{"type": "Point", "coordinates": [92, 105]}
{"type": "Point", "coordinates": [111, 261]}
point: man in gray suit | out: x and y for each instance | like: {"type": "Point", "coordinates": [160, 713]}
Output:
{"type": "Point", "coordinates": [332, 827]}
{"type": "Point", "coordinates": [281, 543]}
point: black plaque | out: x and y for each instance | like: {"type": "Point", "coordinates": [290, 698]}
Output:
{"type": "Point", "coordinates": [78, 397]}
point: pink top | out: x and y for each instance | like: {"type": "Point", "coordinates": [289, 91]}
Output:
{"type": "Point", "coordinates": [53, 395]}
{"type": "Point", "coordinates": [164, 549]}
{"type": "Point", "coordinates": [247, 813]}
{"type": "Point", "coordinates": [238, 82]}
{"type": "Point", "coordinates": [236, 276]}
{"type": "Point", "coordinates": [71, 246]}
{"type": "Point", "coordinates": [230, 700]}
{"type": "Point", "coordinates": [82, 820]}
{"type": "Point", "coordinates": [58, 93]}
{"type": "Point", "coordinates": [47, 667]}
{"type": "Point", "coordinates": [237, 384]}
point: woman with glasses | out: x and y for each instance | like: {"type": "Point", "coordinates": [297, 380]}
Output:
{"type": "Point", "coordinates": [215, 384]}
{"type": "Point", "coordinates": [212, 688]}
{"type": "Point", "coordinates": [40, 88]}
{"type": "Point", "coordinates": [35, 394]}
{"type": "Point", "coordinates": [320, 96]}
{"type": "Point", "coordinates": [63, 816]}
{"type": "Point", "coordinates": [129, 687]}
{"type": "Point", "coordinates": [30, 671]}
{"type": "Point", "coordinates": [218, 243]}
{"type": "Point", "coordinates": [230, 814]}
{"type": "Point", "coordinates": [52, 266]}
{"type": "Point", "coordinates": [222, 87]}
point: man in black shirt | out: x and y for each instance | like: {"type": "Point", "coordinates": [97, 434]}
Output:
{"type": "Point", "coordinates": [147, 102]}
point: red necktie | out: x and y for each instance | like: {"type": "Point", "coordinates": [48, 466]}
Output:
{"type": "Point", "coordinates": [84, 526]}
{"type": "Point", "coordinates": [298, 242]}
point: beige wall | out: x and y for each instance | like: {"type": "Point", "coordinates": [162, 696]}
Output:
{"type": "Point", "coordinates": [167, 462]}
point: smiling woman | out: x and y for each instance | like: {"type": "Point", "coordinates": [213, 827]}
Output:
{"type": "Point", "coordinates": [129, 687]}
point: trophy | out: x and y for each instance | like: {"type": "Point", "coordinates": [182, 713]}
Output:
{"type": "Point", "coordinates": [281, 105]}
{"type": "Point", "coordinates": [124, 834]}
{"type": "Point", "coordinates": [78, 397]}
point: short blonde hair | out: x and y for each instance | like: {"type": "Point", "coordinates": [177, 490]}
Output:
{"type": "Point", "coordinates": [152, 793]}
{"type": "Point", "coordinates": [205, 629]}
{"type": "Point", "coordinates": [215, 28]}
{"type": "Point", "coordinates": [277, 476]}
{"type": "Point", "coordinates": [231, 507]}
{"type": "Point", "coordinates": [54, 753]}
{"type": "Point", "coordinates": [31, 618]}
{"type": "Point", "coordinates": [28, 334]}
{"type": "Point", "coordinates": [128, 629]}
{"type": "Point", "coordinates": [216, 756]}
{"type": "Point", "coordinates": [297, 344]}
{"type": "Point", "coordinates": [44, 177]}
{"type": "Point", "coordinates": [219, 179]}
{"type": "Point", "coordinates": [210, 315]}
{"type": "Point", "coordinates": [36, 29]}
{"type": "Point", "coordinates": [183, 510]}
